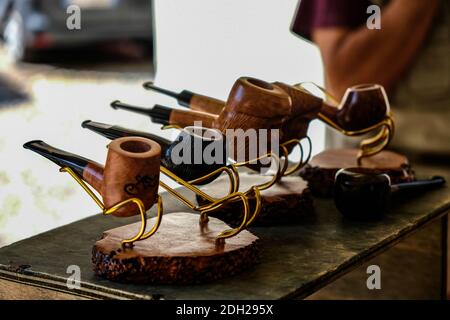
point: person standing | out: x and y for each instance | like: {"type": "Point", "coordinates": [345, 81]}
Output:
{"type": "Point", "coordinates": [409, 55]}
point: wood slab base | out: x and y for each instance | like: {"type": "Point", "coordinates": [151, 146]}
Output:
{"type": "Point", "coordinates": [289, 201]}
{"type": "Point", "coordinates": [322, 168]}
{"type": "Point", "coordinates": [180, 252]}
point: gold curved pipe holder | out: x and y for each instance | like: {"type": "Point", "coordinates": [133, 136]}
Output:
{"type": "Point", "coordinates": [213, 203]}
{"type": "Point", "coordinates": [233, 173]}
{"type": "Point", "coordinates": [286, 171]}
{"type": "Point", "coordinates": [368, 147]}
{"type": "Point", "coordinates": [233, 195]}
{"type": "Point", "coordinates": [141, 235]}
{"type": "Point", "coordinates": [171, 126]}
{"type": "Point", "coordinates": [229, 170]}
{"type": "Point", "coordinates": [255, 191]}
{"type": "Point", "coordinates": [232, 169]}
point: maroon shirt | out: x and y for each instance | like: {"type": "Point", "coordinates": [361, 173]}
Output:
{"type": "Point", "coordinates": [313, 14]}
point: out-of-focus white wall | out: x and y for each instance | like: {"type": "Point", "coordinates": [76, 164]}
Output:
{"type": "Point", "coordinates": [205, 45]}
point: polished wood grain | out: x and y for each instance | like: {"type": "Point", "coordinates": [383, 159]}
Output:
{"type": "Point", "coordinates": [206, 104]}
{"type": "Point", "coordinates": [361, 107]}
{"type": "Point", "coordinates": [186, 118]}
{"type": "Point", "coordinates": [131, 171]}
{"type": "Point", "coordinates": [305, 108]}
{"type": "Point", "coordinates": [253, 104]}
{"type": "Point", "coordinates": [93, 174]}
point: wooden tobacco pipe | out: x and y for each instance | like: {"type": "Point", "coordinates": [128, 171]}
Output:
{"type": "Point", "coordinates": [362, 106]}
{"type": "Point", "coordinates": [364, 194]}
{"type": "Point", "coordinates": [252, 104]}
{"type": "Point", "coordinates": [131, 171]}
{"type": "Point", "coordinates": [195, 139]}
{"type": "Point", "coordinates": [190, 99]}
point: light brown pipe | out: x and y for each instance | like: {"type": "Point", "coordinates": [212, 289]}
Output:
{"type": "Point", "coordinates": [305, 108]}
{"type": "Point", "coordinates": [251, 104]}
{"type": "Point", "coordinates": [131, 171]}
{"type": "Point", "coordinates": [206, 104]}
{"type": "Point", "coordinates": [188, 118]}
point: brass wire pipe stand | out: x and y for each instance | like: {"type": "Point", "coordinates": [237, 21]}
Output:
{"type": "Point", "coordinates": [216, 203]}
{"type": "Point", "coordinates": [141, 235]}
{"type": "Point", "coordinates": [233, 168]}
{"type": "Point", "coordinates": [213, 203]}
{"type": "Point", "coordinates": [286, 171]}
{"type": "Point", "coordinates": [369, 146]}
{"type": "Point", "coordinates": [281, 170]}
{"type": "Point", "coordinates": [254, 191]}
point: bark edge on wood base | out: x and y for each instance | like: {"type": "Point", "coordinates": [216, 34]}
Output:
{"type": "Point", "coordinates": [179, 253]}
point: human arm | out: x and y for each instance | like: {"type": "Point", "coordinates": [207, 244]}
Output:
{"type": "Point", "coordinates": [362, 55]}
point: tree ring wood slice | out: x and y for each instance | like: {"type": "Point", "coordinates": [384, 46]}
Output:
{"type": "Point", "coordinates": [288, 201]}
{"type": "Point", "coordinates": [180, 252]}
{"type": "Point", "coordinates": [322, 168]}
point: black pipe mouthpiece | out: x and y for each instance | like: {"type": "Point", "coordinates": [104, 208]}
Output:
{"type": "Point", "coordinates": [114, 132]}
{"type": "Point", "coordinates": [158, 114]}
{"type": "Point", "coordinates": [60, 157]}
{"type": "Point", "coordinates": [183, 98]}
{"type": "Point", "coordinates": [161, 114]}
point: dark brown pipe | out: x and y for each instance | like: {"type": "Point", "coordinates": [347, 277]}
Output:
{"type": "Point", "coordinates": [361, 107]}
{"type": "Point", "coordinates": [131, 171]}
{"type": "Point", "coordinates": [364, 194]}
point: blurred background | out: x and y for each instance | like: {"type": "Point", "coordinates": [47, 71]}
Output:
{"type": "Point", "coordinates": [53, 78]}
